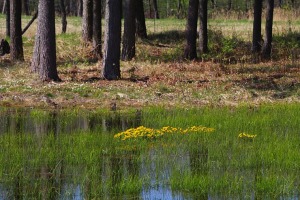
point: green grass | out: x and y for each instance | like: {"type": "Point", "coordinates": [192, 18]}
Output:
{"type": "Point", "coordinates": [198, 164]}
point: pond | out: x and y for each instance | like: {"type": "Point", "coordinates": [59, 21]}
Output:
{"type": "Point", "coordinates": [249, 152]}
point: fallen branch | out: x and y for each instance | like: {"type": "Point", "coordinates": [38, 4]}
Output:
{"type": "Point", "coordinates": [30, 22]}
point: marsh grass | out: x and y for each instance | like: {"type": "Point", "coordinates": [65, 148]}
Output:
{"type": "Point", "coordinates": [194, 164]}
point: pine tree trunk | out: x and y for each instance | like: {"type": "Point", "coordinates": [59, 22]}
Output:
{"type": "Point", "coordinates": [141, 30]}
{"type": "Point", "coordinates": [35, 61]}
{"type": "Point", "coordinates": [203, 35]}
{"type": "Point", "coordinates": [280, 3]}
{"type": "Point", "coordinates": [256, 38]}
{"type": "Point", "coordinates": [97, 31]}
{"type": "Point", "coordinates": [44, 57]}
{"type": "Point", "coordinates": [267, 48]}
{"type": "Point", "coordinates": [128, 50]}
{"type": "Point", "coordinates": [229, 4]}
{"type": "Point", "coordinates": [150, 9]}
{"type": "Point", "coordinates": [179, 9]}
{"type": "Point", "coordinates": [79, 8]}
{"type": "Point", "coordinates": [25, 7]}
{"type": "Point", "coordinates": [190, 52]}
{"type": "Point", "coordinates": [112, 41]}
{"type": "Point", "coordinates": [156, 13]}
{"type": "Point", "coordinates": [7, 10]}
{"type": "Point", "coordinates": [87, 20]}
{"type": "Point", "coordinates": [4, 7]}
{"type": "Point", "coordinates": [63, 16]}
{"type": "Point", "coordinates": [213, 3]}
{"type": "Point", "coordinates": [16, 43]}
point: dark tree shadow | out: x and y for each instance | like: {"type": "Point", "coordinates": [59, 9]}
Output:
{"type": "Point", "coordinates": [282, 89]}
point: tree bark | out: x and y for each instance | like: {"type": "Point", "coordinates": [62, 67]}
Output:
{"type": "Point", "coordinates": [7, 10]}
{"type": "Point", "coordinates": [203, 35]}
{"type": "Point", "coordinates": [63, 16]}
{"type": "Point", "coordinates": [16, 43]}
{"type": "Point", "coordinates": [141, 30]}
{"type": "Point", "coordinates": [79, 8]}
{"type": "Point", "coordinates": [87, 21]}
{"type": "Point", "coordinates": [267, 48]}
{"type": "Point", "coordinates": [150, 8]}
{"type": "Point", "coordinates": [25, 7]}
{"type": "Point", "coordinates": [97, 30]}
{"type": "Point", "coordinates": [44, 57]}
{"type": "Point", "coordinates": [111, 60]}
{"type": "Point", "coordinates": [156, 13]}
{"type": "Point", "coordinates": [213, 4]}
{"type": "Point", "coordinates": [256, 37]}
{"type": "Point", "coordinates": [229, 4]}
{"type": "Point", "coordinates": [128, 50]}
{"type": "Point", "coordinates": [190, 51]}
{"type": "Point", "coordinates": [179, 9]}
{"type": "Point", "coordinates": [4, 7]}
{"type": "Point", "coordinates": [280, 2]}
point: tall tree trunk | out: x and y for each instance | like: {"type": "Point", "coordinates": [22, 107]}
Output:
{"type": "Point", "coordinates": [97, 31]}
{"type": "Point", "coordinates": [87, 21]}
{"type": "Point", "coordinates": [213, 4]}
{"type": "Point", "coordinates": [203, 35]}
{"type": "Point", "coordinates": [112, 41]}
{"type": "Point", "coordinates": [63, 16]}
{"type": "Point", "coordinates": [4, 7]}
{"type": "Point", "coordinates": [280, 3]}
{"type": "Point", "coordinates": [156, 13]}
{"type": "Point", "coordinates": [128, 50]}
{"type": "Point", "coordinates": [7, 8]}
{"type": "Point", "coordinates": [16, 43]}
{"type": "Point", "coordinates": [25, 7]}
{"type": "Point", "coordinates": [141, 30]}
{"type": "Point", "coordinates": [229, 4]}
{"type": "Point", "coordinates": [190, 51]}
{"type": "Point", "coordinates": [293, 3]}
{"type": "Point", "coordinates": [179, 9]}
{"type": "Point", "coordinates": [79, 8]}
{"type": "Point", "coordinates": [44, 56]}
{"type": "Point", "coordinates": [267, 48]}
{"type": "Point", "coordinates": [150, 8]}
{"type": "Point", "coordinates": [168, 8]}
{"type": "Point", "coordinates": [256, 38]}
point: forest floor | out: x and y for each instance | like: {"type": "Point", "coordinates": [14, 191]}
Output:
{"type": "Point", "coordinates": [158, 76]}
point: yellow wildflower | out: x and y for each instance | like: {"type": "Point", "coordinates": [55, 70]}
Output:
{"type": "Point", "coordinates": [246, 135]}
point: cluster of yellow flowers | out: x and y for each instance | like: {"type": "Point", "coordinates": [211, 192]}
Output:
{"type": "Point", "coordinates": [144, 132]}
{"type": "Point", "coordinates": [246, 136]}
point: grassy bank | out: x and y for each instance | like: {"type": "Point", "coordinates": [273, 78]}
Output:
{"type": "Point", "coordinates": [228, 75]}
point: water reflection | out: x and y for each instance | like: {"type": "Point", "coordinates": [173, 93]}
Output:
{"type": "Point", "coordinates": [44, 122]}
{"type": "Point", "coordinates": [52, 181]}
{"type": "Point", "coordinates": [157, 166]}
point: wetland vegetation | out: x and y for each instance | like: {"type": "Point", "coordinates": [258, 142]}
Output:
{"type": "Point", "coordinates": [78, 154]}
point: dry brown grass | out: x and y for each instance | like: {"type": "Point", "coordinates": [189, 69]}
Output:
{"type": "Point", "coordinates": [167, 84]}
